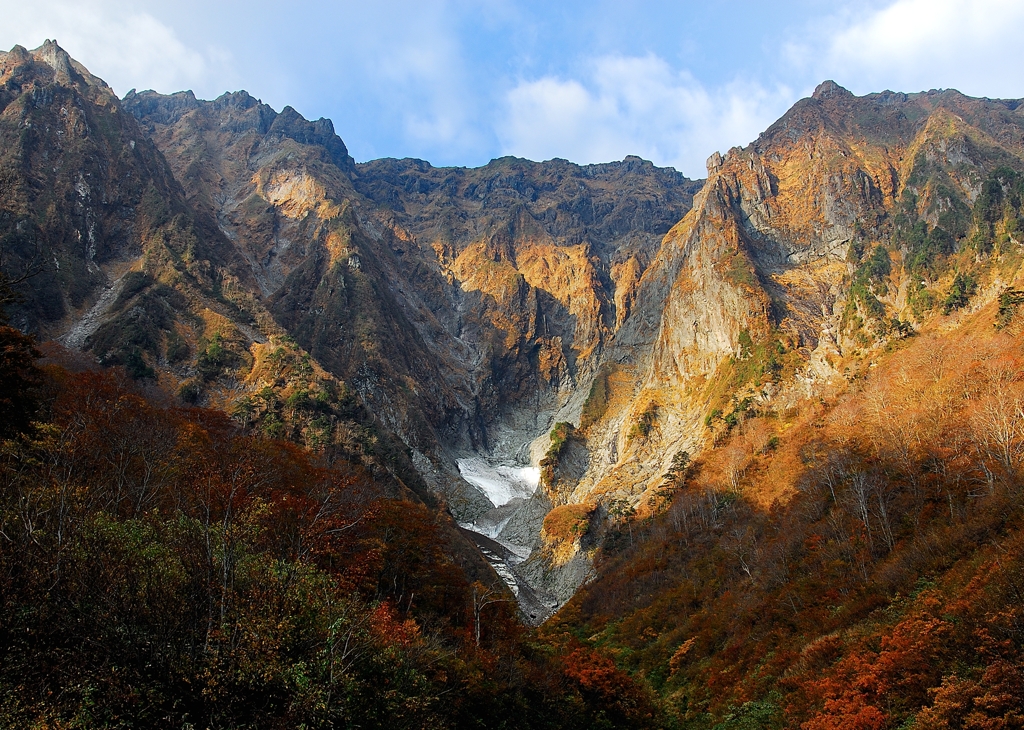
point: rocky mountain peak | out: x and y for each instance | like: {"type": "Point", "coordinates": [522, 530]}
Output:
{"type": "Point", "coordinates": [167, 108]}
{"type": "Point", "coordinates": [239, 112]}
{"type": "Point", "coordinates": [292, 125]}
{"type": "Point", "coordinates": [58, 59]}
{"type": "Point", "coordinates": [18, 51]}
{"type": "Point", "coordinates": [715, 163]}
{"type": "Point", "coordinates": [828, 90]}
{"type": "Point", "coordinates": [51, 64]}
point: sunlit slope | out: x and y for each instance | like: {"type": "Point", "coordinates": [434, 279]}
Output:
{"type": "Point", "coordinates": [850, 561]}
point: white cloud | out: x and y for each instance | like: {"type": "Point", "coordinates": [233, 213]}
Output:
{"type": "Point", "coordinates": [635, 105]}
{"type": "Point", "coordinates": [125, 47]}
{"type": "Point", "coordinates": [913, 45]}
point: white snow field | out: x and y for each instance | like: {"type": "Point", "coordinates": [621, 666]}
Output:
{"type": "Point", "coordinates": [500, 483]}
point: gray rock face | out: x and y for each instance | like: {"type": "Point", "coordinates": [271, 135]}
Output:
{"type": "Point", "coordinates": [56, 58]}
{"type": "Point", "coordinates": [830, 90]}
{"type": "Point", "coordinates": [85, 191]}
{"type": "Point", "coordinates": [714, 163]}
{"type": "Point", "coordinates": [558, 581]}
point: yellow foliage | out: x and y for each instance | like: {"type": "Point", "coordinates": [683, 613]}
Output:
{"type": "Point", "coordinates": [567, 523]}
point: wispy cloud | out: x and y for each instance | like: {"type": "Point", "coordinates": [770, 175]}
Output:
{"type": "Point", "coordinates": [126, 47]}
{"type": "Point", "coordinates": [459, 81]}
{"type": "Point", "coordinates": [914, 45]}
{"type": "Point", "coordinates": [635, 105]}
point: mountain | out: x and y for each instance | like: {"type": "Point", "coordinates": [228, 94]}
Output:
{"type": "Point", "coordinates": [848, 225]}
{"type": "Point", "coordinates": [801, 254]}
{"type": "Point", "coordinates": [839, 355]}
{"type": "Point", "coordinates": [122, 265]}
{"type": "Point", "coordinates": [412, 233]}
{"type": "Point", "coordinates": [646, 397]}
{"type": "Point", "coordinates": [464, 307]}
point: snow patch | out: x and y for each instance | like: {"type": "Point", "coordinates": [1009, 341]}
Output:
{"type": "Point", "coordinates": [503, 571]}
{"type": "Point", "coordinates": [487, 530]}
{"type": "Point", "coordinates": [500, 483]}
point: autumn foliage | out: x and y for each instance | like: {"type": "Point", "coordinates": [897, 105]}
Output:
{"type": "Point", "coordinates": [856, 562]}
{"type": "Point", "coordinates": [165, 567]}
{"type": "Point", "coordinates": [567, 522]}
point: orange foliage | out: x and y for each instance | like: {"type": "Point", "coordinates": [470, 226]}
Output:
{"type": "Point", "coordinates": [612, 689]}
{"type": "Point", "coordinates": [993, 703]}
{"type": "Point", "coordinates": [567, 522]}
{"type": "Point", "coordinates": [161, 565]}
{"type": "Point", "coordinates": [390, 629]}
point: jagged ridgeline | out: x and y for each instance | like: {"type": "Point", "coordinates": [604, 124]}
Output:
{"type": "Point", "coordinates": [548, 354]}
{"type": "Point", "coordinates": [272, 277]}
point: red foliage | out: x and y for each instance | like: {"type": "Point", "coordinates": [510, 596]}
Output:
{"type": "Point", "coordinates": [392, 630]}
{"type": "Point", "coordinates": [608, 687]}
{"type": "Point", "coordinates": [849, 711]}
{"type": "Point", "coordinates": [595, 672]}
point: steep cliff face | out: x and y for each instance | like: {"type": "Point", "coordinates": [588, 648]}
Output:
{"type": "Point", "coordinates": [462, 305]}
{"type": "Point", "coordinates": [84, 190]}
{"type": "Point", "coordinates": [541, 260]}
{"type": "Point", "coordinates": [280, 189]}
{"type": "Point", "coordinates": [766, 288]}
{"type": "Point", "coordinates": [125, 264]}
{"type": "Point", "coordinates": [122, 264]}
{"type": "Point", "coordinates": [257, 172]}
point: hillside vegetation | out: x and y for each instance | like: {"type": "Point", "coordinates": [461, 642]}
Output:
{"type": "Point", "coordinates": [165, 567]}
{"type": "Point", "coordinates": [856, 562]}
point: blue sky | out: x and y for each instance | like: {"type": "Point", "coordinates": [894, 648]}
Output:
{"type": "Point", "coordinates": [458, 83]}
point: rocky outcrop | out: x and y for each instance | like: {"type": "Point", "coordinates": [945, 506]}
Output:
{"type": "Point", "coordinates": [553, 252]}
{"type": "Point", "coordinates": [66, 149]}
{"type": "Point", "coordinates": [280, 189]}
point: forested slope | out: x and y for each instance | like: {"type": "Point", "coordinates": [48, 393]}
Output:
{"type": "Point", "coordinates": [162, 566]}
{"type": "Point", "coordinates": [856, 562]}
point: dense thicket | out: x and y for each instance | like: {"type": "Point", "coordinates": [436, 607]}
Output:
{"type": "Point", "coordinates": [159, 567]}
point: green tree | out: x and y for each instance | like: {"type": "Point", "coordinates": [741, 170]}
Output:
{"type": "Point", "coordinates": [960, 292]}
